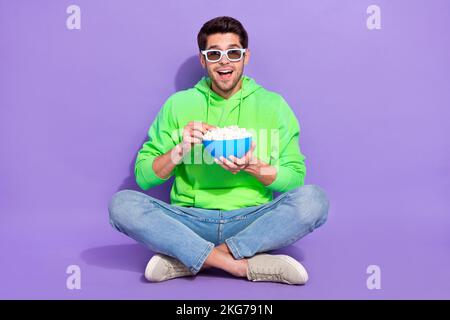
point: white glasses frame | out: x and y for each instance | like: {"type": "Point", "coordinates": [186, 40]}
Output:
{"type": "Point", "coordinates": [224, 52]}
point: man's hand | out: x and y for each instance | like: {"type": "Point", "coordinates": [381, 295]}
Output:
{"type": "Point", "coordinates": [193, 134]}
{"type": "Point", "coordinates": [234, 165]}
{"type": "Point", "coordinates": [164, 164]}
{"type": "Point", "coordinates": [264, 172]}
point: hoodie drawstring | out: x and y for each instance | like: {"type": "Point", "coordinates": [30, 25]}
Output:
{"type": "Point", "coordinates": [240, 103]}
{"type": "Point", "coordinates": [207, 106]}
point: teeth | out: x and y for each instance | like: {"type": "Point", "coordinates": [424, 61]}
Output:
{"type": "Point", "coordinates": [224, 72]}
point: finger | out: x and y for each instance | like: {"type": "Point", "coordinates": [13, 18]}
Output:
{"type": "Point", "coordinates": [197, 134]}
{"type": "Point", "coordinates": [220, 163]}
{"type": "Point", "coordinates": [208, 126]}
{"type": "Point", "coordinates": [193, 124]}
{"type": "Point", "coordinates": [238, 161]}
{"type": "Point", "coordinates": [249, 155]}
{"type": "Point", "coordinates": [193, 133]}
{"type": "Point", "coordinates": [197, 126]}
{"type": "Point", "coordinates": [228, 163]}
{"type": "Point", "coordinates": [192, 139]}
{"type": "Point", "coordinates": [199, 131]}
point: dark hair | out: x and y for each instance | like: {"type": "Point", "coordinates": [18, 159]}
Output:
{"type": "Point", "coordinates": [222, 25]}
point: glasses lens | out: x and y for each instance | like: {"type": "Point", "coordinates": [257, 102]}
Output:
{"type": "Point", "coordinates": [234, 54]}
{"type": "Point", "coordinates": [213, 55]}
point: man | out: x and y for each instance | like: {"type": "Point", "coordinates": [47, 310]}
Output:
{"type": "Point", "coordinates": [222, 212]}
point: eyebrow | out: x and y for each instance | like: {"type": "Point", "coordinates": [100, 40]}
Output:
{"type": "Point", "coordinates": [217, 47]}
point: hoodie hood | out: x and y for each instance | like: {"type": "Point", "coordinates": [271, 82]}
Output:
{"type": "Point", "coordinates": [249, 86]}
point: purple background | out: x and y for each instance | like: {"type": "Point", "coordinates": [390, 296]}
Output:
{"type": "Point", "coordinates": [373, 107]}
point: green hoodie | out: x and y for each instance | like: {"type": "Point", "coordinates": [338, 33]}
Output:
{"type": "Point", "coordinates": [199, 182]}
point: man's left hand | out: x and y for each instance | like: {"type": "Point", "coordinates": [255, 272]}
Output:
{"type": "Point", "coordinates": [234, 165]}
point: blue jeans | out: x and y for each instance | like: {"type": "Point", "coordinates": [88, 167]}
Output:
{"type": "Point", "coordinates": [190, 234]}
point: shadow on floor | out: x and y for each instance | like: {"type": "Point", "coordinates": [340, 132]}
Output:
{"type": "Point", "coordinates": [134, 257]}
{"type": "Point", "coordinates": [127, 257]}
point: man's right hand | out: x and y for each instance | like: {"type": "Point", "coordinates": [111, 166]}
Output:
{"type": "Point", "coordinates": [193, 134]}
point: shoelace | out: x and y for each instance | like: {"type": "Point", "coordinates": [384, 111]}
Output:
{"type": "Point", "coordinates": [175, 267]}
{"type": "Point", "coordinates": [269, 274]}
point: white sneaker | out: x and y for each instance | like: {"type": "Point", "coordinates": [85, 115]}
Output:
{"type": "Point", "coordinates": [162, 267]}
{"type": "Point", "coordinates": [276, 268]}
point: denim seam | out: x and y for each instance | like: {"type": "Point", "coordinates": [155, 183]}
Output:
{"type": "Point", "coordinates": [268, 208]}
{"type": "Point", "coordinates": [234, 250]}
{"type": "Point", "coordinates": [272, 205]}
{"type": "Point", "coordinates": [201, 260]}
{"type": "Point", "coordinates": [163, 207]}
{"type": "Point", "coordinates": [219, 235]}
{"type": "Point", "coordinates": [183, 214]}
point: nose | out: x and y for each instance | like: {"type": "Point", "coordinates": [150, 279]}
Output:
{"type": "Point", "coordinates": [224, 60]}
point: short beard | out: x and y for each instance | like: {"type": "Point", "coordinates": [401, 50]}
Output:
{"type": "Point", "coordinates": [231, 88]}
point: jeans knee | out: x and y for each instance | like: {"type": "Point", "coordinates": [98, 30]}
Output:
{"type": "Point", "coordinates": [119, 206]}
{"type": "Point", "coordinates": [313, 204]}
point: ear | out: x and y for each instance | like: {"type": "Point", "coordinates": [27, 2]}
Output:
{"type": "Point", "coordinates": [247, 56]}
{"type": "Point", "coordinates": [202, 60]}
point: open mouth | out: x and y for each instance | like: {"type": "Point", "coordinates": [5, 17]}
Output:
{"type": "Point", "coordinates": [225, 74]}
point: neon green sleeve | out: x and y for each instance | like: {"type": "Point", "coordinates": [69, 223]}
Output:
{"type": "Point", "coordinates": [288, 160]}
{"type": "Point", "coordinates": [160, 140]}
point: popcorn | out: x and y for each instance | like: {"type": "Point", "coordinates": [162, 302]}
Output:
{"type": "Point", "coordinates": [227, 133]}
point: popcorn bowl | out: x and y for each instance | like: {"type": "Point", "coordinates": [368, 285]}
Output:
{"type": "Point", "coordinates": [227, 147]}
